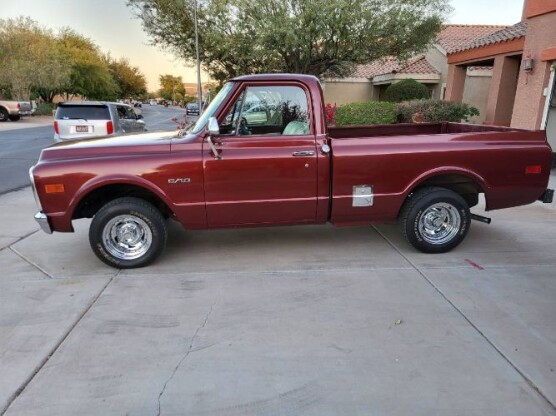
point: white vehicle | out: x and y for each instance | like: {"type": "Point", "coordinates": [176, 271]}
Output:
{"type": "Point", "coordinates": [80, 120]}
{"type": "Point", "coordinates": [153, 102]}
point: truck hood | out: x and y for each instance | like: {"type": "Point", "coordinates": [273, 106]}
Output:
{"type": "Point", "coordinates": [129, 144]}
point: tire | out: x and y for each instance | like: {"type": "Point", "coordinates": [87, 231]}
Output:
{"type": "Point", "coordinates": [4, 115]}
{"type": "Point", "coordinates": [435, 220]}
{"type": "Point", "coordinates": [15, 118]}
{"type": "Point", "coordinates": [133, 219]}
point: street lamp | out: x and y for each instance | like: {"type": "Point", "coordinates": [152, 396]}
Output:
{"type": "Point", "coordinates": [199, 90]}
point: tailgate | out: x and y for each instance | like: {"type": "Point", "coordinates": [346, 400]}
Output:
{"type": "Point", "coordinates": [70, 129]}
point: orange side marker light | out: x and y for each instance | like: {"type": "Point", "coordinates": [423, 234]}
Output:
{"type": "Point", "coordinates": [54, 188]}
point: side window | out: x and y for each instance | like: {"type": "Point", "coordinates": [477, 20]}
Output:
{"type": "Point", "coordinates": [130, 114]}
{"type": "Point", "coordinates": [270, 110]}
{"type": "Point", "coordinates": [121, 112]}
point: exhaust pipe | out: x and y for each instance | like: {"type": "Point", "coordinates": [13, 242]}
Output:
{"type": "Point", "coordinates": [480, 218]}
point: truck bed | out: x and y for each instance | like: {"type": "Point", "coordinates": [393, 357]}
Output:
{"type": "Point", "coordinates": [397, 159]}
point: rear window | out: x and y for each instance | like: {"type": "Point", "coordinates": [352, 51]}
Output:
{"type": "Point", "coordinates": [193, 106]}
{"type": "Point", "coordinates": [87, 112]}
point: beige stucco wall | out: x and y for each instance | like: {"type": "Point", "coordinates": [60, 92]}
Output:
{"type": "Point", "coordinates": [439, 60]}
{"type": "Point", "coordinates": [529, 101]}
{"type": "Point", "coordinates": [342, 92]}
{"type": "Point", "coordinates": [475, 93]}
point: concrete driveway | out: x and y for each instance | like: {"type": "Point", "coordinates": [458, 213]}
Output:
{"type": "Point", "coordinates": [280, 321]}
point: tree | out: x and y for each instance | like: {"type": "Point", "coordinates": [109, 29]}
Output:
{"type": "Point", "coordinates": [170, 86]}
{"type": "Point", "coordinates": [319, 37]}
{"type": "Point", "coordinates": [131, 81]}
{"type": "Point", "coordinates": [405, 90]}
{"type": "Point", "coordinates": [90, 75]}
{"type": "Point", "coordinates": [30, 58]}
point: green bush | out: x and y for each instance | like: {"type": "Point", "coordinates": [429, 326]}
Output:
{"type": "Point", "coordinates": [372, 112]}
{"type": "Point", "coordinates": [434, 111]}
{"type": "Point", "coordinates": [44, 109]}
{"type": "Point", "coordinates": [406, 90]}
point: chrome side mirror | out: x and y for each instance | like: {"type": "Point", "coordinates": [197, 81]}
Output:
{"type": "Point", "coordinates": [213, 129]}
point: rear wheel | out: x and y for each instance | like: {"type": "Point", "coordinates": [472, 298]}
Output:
{"type": "Point", "coordinates": [4, 114]}
{"type": "Point", "coordinates": [128, 233]}
{"type": "Point", "coordinates": [15, 118]}
{"type": "Point", "coordinates": [435, 220]}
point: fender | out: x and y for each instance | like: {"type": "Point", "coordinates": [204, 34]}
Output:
{"type": "Point", "coordinates": [448, 170]}
{"type": "Point", "coordinates": [100, 181]}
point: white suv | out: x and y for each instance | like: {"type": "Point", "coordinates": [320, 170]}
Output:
{"type": "Point", "coordinates": [80, 120]}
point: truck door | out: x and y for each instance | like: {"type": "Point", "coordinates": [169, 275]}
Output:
{"type": "Point", "coordinates": [267, 171]}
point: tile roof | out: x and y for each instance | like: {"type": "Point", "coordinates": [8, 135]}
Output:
{"type": "Point", "coordinates": [509, 33]}
{"type": "Point", "coordinates": [416, 65]}
{"type": "Point", "coordinates": [454, 37]}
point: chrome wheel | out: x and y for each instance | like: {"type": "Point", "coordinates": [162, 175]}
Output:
{"type": "Point", "coordinates": [127, 237]}
{"type": "Point", "coordinates": [439, 223]}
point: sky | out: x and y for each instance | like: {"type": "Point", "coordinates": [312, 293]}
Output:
{"type": "Point", "coordinates": [111, 25]}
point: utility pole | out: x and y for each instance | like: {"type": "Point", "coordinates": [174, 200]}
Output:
{"type": "Point", "coordinates": [199, 89]}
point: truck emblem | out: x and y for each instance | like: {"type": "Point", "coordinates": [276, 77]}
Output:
{"type": "Point", "coordinates": [179, 180]}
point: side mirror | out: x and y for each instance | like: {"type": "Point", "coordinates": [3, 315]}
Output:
{"type": "Point", "coordinates": [212, 127]}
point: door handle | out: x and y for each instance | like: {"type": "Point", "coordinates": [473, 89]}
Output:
{"type": "Point", "coordinates": [303, 153]}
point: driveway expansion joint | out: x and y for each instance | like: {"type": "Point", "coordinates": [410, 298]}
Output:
{"type": "Point", "coordinates": [187, 353]}
{"type": "Point", "coordinates": [533, 386]}
{"type": "Point", "coordinates": [28, 261]}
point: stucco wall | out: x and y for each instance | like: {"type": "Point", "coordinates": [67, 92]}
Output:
{"type": "Point", "coordinates": [348, 92]}
{"type": "Point", "coordinates": [529, 101]}
{"type": "Point", "coordinates": [440, 62]}
{"type": "Point", "coordinates": [477, 85]}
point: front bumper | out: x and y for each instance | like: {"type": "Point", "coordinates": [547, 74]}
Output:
{"type": "Point", "coordinates": [42, 220]}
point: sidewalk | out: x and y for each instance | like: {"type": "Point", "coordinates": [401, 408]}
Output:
{"type": "Point", "coordinates": [308, 320]}
{"type": "Point", "coordinates": [26, 123]}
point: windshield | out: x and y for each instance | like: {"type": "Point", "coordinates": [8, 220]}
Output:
{"type": "Point", "coordinates": [211, 109]}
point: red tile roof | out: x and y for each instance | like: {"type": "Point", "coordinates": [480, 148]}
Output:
{"type": "Point", "coordinates": [454, 37]}
{"type": "Point", "coordinates": [390, 65]}
{"type": "Point", "coordinates": [509, 33]}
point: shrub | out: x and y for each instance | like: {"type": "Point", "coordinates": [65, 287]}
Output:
{"type": "Point", "coordinates": [44, 109]}
{"type": "Point", "coordinates": [372, 112]}
{"type": "Point", "coordinates": [330, 114]}
{"type": "Point", "coordinates": [434, 111]}
{"type": "Point", "coordinates": [406, 90]}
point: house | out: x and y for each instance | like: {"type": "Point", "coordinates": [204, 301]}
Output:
{"type": "Point", "coordinates": [521, 92]}
{"type": "Point", "coordinates": [368, 82]}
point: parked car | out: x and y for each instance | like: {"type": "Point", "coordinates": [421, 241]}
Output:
{"type": "Point", "coordinates": [137, 104]}
{"type": "Point", "coordinates": [153, 102]}
{"type": "Point", "coordinates": [291, 170]}
{"type": "Point", "coordinates": [192, 109]}
{"type": "Point", "coordinates": [14, 110]}
{"type": "Point", "coordinates": [78, 120]}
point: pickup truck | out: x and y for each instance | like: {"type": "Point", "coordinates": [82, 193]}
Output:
{"type": "Point", "coordinates": [282, 169]}
{"type": "Point", "coordinates": [13, 110]}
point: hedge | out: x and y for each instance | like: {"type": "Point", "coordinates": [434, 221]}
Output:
{"type": "Point", "coordinates": [434, 111]}
{"type": "Point", "coordinates": [372, 112]}
{"type": "Point", "coordinates": [405, 90]}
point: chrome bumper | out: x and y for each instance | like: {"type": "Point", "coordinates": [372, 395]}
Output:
{"type": "Point", "coordinates": [42, 219]}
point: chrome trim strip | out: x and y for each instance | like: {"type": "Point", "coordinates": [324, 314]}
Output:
{"type": "Point", "coordinates": [42, 220]}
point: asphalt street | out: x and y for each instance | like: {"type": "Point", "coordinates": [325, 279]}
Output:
{"type": "Point", "coordinates": [21, 146]}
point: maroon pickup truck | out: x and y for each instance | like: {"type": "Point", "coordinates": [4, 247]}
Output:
{"type": "Point", "coordinates": [261, 155]}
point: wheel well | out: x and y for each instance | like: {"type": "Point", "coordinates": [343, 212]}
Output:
{"type": "Point", "coordinates": [96, 199]}
{"type": "Point", "coordinates": [463, 185]}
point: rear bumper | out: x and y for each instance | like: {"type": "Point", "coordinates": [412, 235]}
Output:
{"type": "Point", "coordinates": [547, 197]}
{"type": "Point", "coordinates": [42, 220]}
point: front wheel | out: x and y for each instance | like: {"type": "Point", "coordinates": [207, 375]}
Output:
{"type": "Point", "coordinates": [435, 220]}
{"type": "Point", "coordinates": [128, 233]}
